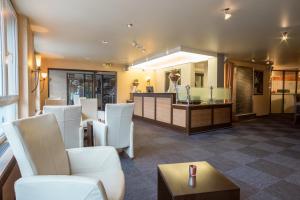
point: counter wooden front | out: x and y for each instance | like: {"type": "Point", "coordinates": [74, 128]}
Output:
{"type": "Point", "coordinates": [159, 108]}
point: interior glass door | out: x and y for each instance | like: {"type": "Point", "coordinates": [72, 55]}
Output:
{"type": "Point", "coordinates": [277, 92]}
{"type": "Point", "coordinates": [290, 82]}
{"type": "Point", "coordinates": [89, 85]}
{"type": "Point", "coordinates": [75, 86]}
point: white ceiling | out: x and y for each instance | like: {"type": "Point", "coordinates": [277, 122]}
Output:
{"type": "Point", "coordinates": [77, 27]}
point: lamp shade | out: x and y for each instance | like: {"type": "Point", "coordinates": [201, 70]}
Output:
{"type": "Point", "coordinates": [44, 75]}
{"type": "Point", "coordinates": [38, 60]}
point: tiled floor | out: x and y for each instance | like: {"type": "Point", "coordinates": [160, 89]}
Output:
{"type": "Point", "coordinates": [262, 156]}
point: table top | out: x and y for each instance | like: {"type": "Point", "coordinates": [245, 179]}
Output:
{"type": "Point", "coordinates": [208, 179]}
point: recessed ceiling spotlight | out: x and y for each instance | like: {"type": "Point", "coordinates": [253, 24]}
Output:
{"type": "Point", "coordinates": [130, 25]}
{"type": "Point", "coordinates": [227, 14]}
{"type": "Point", "coordinates": [284, 36]}
{"type": "Point", "coordinates": [253, 60]}
{"type": "Point", "coordinates": [104, 42]}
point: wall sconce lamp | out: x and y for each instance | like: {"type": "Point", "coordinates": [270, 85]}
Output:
{"type": "Point", "coordinates": [38, 75]}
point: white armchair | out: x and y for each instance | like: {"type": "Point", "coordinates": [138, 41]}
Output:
{"type": "Point", "coordinates": [89, 110]}
{"type": "Point", "coordinates": [68, 118]}
{"type": "Point", "coordinates": [51, 172]}
{"type": "Point", "coordinates": [76, 99]}
{"type": "Point", "coordinates": [118, 128]}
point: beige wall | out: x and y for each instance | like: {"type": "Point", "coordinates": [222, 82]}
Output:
{"type": "Point", "coordinates": [261, 103]}
{"type": "Point", "coordinates": [124, 78]}
{"type": "Point", "coordinates": [187, 72]}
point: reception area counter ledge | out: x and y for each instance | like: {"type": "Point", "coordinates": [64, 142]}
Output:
{"type": "Point", "coordinates": [160, 108]}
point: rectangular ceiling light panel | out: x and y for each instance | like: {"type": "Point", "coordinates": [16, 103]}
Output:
{"type": "Point", "coordinates": [172, 59]}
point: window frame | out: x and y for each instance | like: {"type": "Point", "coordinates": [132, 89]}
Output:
{"type": "Point", "coordinates": [9, 89]}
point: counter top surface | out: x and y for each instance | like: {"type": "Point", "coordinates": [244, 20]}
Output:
{"type": "Point", "coordinates": [153, 93]}
{"type": "Point", "coordinates": [202, 104]}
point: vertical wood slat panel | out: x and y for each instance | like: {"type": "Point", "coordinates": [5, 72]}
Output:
{"type": "Point", "coordinates": [200, 118]}
{"type": "Point", "coordinates": [179, 117]}
{"type": "Point", "coordinates": [138, 106]}
{"type": "Point", "coordinates": [222, 115]}
{"type": "Point", "coordinates": [149, 107]}
{"type": "Point", "coordinates": [163, 109]}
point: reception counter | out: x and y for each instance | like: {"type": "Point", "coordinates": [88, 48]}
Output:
{"type": "Point", "coordinates": [160, 108]}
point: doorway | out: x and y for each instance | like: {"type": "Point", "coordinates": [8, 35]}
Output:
{"type": "Point", "coordinates": [285, 85]}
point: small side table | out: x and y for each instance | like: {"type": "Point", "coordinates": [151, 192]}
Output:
{"type": "Point", "coordinates": [209, 183]}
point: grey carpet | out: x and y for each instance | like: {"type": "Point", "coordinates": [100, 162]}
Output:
{"type": "Point", "coordinates": [261, 156]}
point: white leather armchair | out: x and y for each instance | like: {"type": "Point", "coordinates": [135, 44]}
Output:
{"type": "Point", "coordinates": [118, 128]}
{"type": "Point", "coordinates": [68, 118]}
{"type": "Point", "coordinates": [51, 172]}
{"type": "Point", "coordinates": [89, 110]}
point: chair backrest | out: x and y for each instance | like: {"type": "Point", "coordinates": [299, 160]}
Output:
{"type": "Point", "coordinates": [77, 98]}
{"type": "Point", "coordinates": [118, 118]}
{"type": "Point", "coordinates": [37, 146]}
{"type": "Point", "coordinates": [89, 108]}
{"type": "Point", "coordinates": [68, 118]}
{"type": "Point", "coordinates": [55, 102]}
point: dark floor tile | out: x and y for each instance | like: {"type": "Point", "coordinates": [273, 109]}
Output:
{"type": "Point", "coordinates": [235, 152]}
{"type": "Point", "coordinates": [262, 196]}
{"type": "Point", "coordinates": [245, 189]}
{"type": "Point", "coordinates": [273, 169]}
{"type": "Point", "coordinates": [294, 178]}
{"type": "Point", "coordinates": [239, 157]}
{"type": "Point", "coordinates": [244, 141]}
{"type": "Point", "coordinates": [295, 148]}
{"type": "Point", "coordinates": [251, 151]}
{"type": "Point", "coordinates": [268, 147]}
{"type": "Point", "coordinates": [257, 138]}
{"type": "Point", "coordinates": [290, 153]}
{"type": "Point", "coordinates": [284, 190]}
{"type": "Point", "coordinates": [222, 164]}
{"type": "Point", "coordinates": [214, 148]}
{"type": "Point", "coordinates": [253, 177]}
{"type": "Point", "coordinates": [279, 143]}
{"type": "Point", "coordinates": [288, 140]}
{"type": "Point", "coordinates": [284, 160]}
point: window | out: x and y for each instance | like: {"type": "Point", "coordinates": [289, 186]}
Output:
{"type": "Point", "coordinates": [8, 64]}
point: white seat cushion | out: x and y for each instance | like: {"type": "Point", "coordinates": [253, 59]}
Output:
{"type": "Point", "coordinates": [112, 180]}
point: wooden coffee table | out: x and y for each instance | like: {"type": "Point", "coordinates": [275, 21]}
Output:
{"type": "Point", "coordinates": [173, 183]}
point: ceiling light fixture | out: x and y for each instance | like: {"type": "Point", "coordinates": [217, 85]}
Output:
{"type": "Point", "coordinates": [227, 14]}
{"type": "Point", "coordinates": [253, 60]}
{"type": "Point", "coordinates": [138, 46]}
{"type": "Point", "coordinates": [177, 56]}
{"type": "Point", "coordinates": [104, 42]}
{"type": "Point", "coordinates": [130, 25]}
{"type": "Point", "coordinates": [284, 36]}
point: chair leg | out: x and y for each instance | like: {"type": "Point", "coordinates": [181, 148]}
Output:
{"type": "Point", "coordinates": [129, 151]}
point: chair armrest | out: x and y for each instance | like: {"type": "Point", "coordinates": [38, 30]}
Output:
{"type": "Point", "coordinates": [100, 133]}
{"type": "Point", "coordinates": [59, 187]}
{"type": "Point", "coordinates": [93, 159]}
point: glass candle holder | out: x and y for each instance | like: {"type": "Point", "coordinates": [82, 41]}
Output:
{"type": "Point", "coordinates": [193, 170]}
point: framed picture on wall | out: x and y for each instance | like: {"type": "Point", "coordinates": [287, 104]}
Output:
{"type": "Point", "coordinates": [258, 82]}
